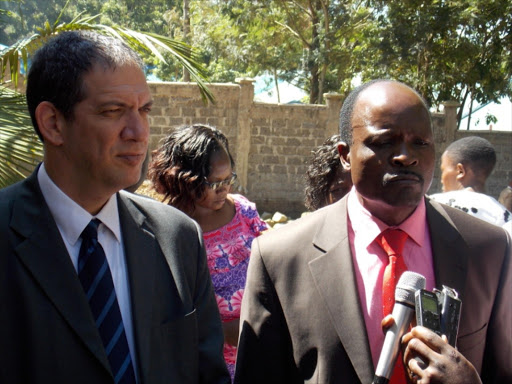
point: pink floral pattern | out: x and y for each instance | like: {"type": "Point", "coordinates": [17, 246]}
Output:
{"type": "Point", "coordinates": [228, 250]}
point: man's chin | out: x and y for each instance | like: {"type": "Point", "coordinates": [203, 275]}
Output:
{"type": "Point", "coordinates": [406, 199]}
{"type": "Point", "coordinates": [130, 181]}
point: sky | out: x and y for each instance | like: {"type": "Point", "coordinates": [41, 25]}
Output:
{"type": "Point", "coordinates": [265, 91]}
{"type": "Point", "coordinates": [502, 111]}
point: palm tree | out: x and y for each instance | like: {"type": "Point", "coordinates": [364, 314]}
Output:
{"type": "Point", "coordinates": [20, 149]}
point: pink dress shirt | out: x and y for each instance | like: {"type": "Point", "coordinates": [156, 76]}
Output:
{"type": "Point", "coordinates": [370, 260]}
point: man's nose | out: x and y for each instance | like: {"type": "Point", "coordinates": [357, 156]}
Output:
{"type": "Point", "coordinates": [404, 156]}
{"type": "Point", "coordinates": [137, 127]}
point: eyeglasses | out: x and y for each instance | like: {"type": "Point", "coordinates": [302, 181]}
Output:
{"type": "Point", "coordinates": [219, 184]}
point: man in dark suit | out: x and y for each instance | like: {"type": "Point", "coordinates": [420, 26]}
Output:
{"type": "Point", "coordinates": [158, 323]}
{"type": "Point", "coordinates": [313, 305]}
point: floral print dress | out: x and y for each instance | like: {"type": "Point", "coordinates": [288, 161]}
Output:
{"type": "Point", "coordinates": [228, 249]}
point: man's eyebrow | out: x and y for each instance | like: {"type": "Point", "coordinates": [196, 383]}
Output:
{"type": "Point", "coordinates": [112, 103]}
{"type": "Point", "coordinates": [148, 104]}
{"type": "Point", "coordinates": [122, 104]}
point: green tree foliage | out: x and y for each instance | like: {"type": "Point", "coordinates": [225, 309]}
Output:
{"type": "Point", "coordinates": [293, 40]}
{"type": "Point", "coordinates": [139, 15]}
{"type": "Point", "coordinates": [448, 50]}
{"type": "Point", "coordinates": [28, 15]}
{"type": "Point", "coordinates": [308, 42]}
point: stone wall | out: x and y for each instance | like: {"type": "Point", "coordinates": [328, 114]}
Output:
{"type": "Point", "coordinates": [271, 143]}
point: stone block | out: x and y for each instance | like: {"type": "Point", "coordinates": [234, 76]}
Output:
{"type": "Point", "coordinates": [278, 123]}
{"type": "Point", "coordinates": [160, 101]}
{"type": "Point", "coordinates": [153, 131]}
{"type": "Point", "coordinates": [213, 121]}
{"type": "Point", "coordinates": [160, 121]}
{"type": "Point", "coordinates": [256, 139]}
{"type": "Point", "coordinates": [271, 159]}
{"type": "Point", "coordinates": [280, 170]}
{"type": "Point", "coordinates": [176, 121]}
{"type": "Point", "coordinates": [263, 168]}
{"type": "Point", "coordinates": [294, 160]}
{"type": "Point", "coordinates": [278, 140]}
{"type": "Point", "coordinates": [189, 112]}
{"type": "Point", "coordinates": [293, 142]}
{"type": "Point", "coordinates": [261, 121]}
{"type": "Point", "coordinates": [265, 131]}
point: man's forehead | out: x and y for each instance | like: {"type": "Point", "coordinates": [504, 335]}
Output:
{"type": "Point", "coordinates": [117, 80]}
{"type": "Point", "coordinates": [387, 92]}
{"type": "Point", "coordinates": [102, 69]}
{"type": "Point", "coordinates": [387, 100]}
{"type": "Point", "coordinates": [376, 94]}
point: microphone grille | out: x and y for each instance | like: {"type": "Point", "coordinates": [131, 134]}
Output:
{"type": "Point", "coordinates": [407, 285]}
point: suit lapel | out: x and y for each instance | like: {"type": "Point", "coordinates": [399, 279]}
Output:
{"type": "Point", "coordinates": [333, 273]}
{"type": "Point", "coordinates": [140, 248]}
{"type": "Point", "coordinates": [448, 249]}
{"type": "Point", "coordinates": [44, 254]}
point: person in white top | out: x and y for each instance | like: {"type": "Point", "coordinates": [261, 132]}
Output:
{"type": "Point", "coordinates": [465, 166]}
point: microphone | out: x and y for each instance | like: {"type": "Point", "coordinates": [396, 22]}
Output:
{"type": "Point", "coordinates": [403, 312]}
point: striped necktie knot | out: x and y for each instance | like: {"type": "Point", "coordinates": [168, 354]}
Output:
{"type": "Point", "coordinates": [91, 231]}
{"type": "Point", "coordinates": [89, 242]}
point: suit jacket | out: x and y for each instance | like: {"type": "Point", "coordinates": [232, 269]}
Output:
{"type": "Point", "coordinates": [302, 321]}
{"type": "Point", "coordinates": [47, 331]}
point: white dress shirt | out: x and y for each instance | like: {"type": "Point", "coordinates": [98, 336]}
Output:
{"type": "Point", "coordinates": [71, 220]}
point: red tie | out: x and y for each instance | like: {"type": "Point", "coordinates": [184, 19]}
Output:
{"type": "Point", "coordinates": [393, 241]}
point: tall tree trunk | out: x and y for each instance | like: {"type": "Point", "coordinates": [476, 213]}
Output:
{"type": "Point", "coordinates": [461, 108]}
{"type": "Point", "coordinates": [324, 8]}
{"type": "Point", "coordinates": [276, 82]}
{"type": "Point", "coordinates": [186, 33]}
{"type": "Point", "coordinates": [470, 112]}
{"type": "Point", "coordinates": [313, 60]}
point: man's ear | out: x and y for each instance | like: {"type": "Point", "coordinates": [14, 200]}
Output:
{"type": "Point", "coordinates": [461, 172]}
{"type": "Point", "coordinates": [466, 177]}
{"type": "Point", "coordinates": [344, 152]}
{"type": "Point", "coordinates": [50, 122]}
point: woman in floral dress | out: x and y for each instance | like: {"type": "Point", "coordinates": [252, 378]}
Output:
{"type": "Point", "coordinates": [193, 169]}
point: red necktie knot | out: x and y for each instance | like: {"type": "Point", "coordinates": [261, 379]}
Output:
{"type": "Point", "coordinates": [392, 241]}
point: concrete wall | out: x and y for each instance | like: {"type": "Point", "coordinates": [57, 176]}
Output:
{"type": "Point", "coordinates": [271, 143]}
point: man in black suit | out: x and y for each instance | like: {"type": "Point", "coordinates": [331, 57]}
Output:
{"type": "Point", "coordinates": [313, 304]}
{"type": "Point", "coordinates": [89, 103]}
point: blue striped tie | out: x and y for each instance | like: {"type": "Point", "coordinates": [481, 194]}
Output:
{"type": "Point", "coordinates": [96, 279]}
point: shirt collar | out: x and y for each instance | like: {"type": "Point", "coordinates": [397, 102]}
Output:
{"type": "Point", "coordinates": [365, 223]}
{"type": "Point", "coordinates": [70, 217]}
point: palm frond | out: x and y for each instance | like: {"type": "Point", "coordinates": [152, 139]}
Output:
{"type": "Point", "coordinates": [20, 148]}
{"type": "Point", "coordinates": [17, 54]}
